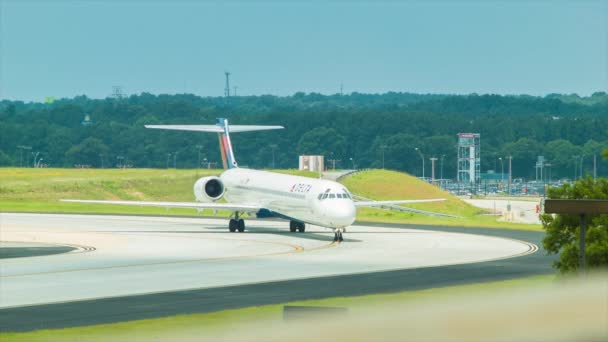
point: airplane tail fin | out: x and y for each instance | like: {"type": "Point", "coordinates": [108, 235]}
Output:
{"type": "Point", "coordinates": [225, 145]}
{"type": "Point", "coordinates": [223, 130]}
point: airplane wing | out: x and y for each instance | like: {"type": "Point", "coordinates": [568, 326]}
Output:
{"type": "Point", "coordinates": [192, 205]}
{"type": "Point", "coordinates": [392, 205]}
{"type": "Point", "coordinates": [382, 203]}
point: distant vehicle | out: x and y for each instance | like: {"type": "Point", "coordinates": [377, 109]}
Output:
{"type": "Point", "coordinates": [265, 194]}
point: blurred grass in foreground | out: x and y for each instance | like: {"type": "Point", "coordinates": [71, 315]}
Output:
{"type": "Point", "coordinates": [535, 308]}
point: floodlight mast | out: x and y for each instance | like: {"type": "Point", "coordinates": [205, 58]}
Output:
{"type": "Point", "coordinates": [21, 148]}
{"type": "Point", "coordinates": [227, 89]}
{"type": "Point", "coordinates": [421, 157]}
{"type": "Point", "coordinates": [383, 148]}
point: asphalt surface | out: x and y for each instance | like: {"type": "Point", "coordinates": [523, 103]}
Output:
{"type": "Point", "coordinates": [135, 307]}
{"type": "Point", "coordinates": [21, 252]}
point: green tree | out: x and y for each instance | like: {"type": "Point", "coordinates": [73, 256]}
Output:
{"type": "Point", "coordinates": [560, 153]}
{"type": "Point", "coordinates": [323, 141]}
{"type": "Point", "coordinates": [88, 152]}
{"type": "Point", "coordinates": [399, 153]}
{"type": "Point", "coordinates": [524, 152]}
{"type": "Point", "coordinates": [5, 160]}
{"type": "Point", "coordinates": [563, 230]}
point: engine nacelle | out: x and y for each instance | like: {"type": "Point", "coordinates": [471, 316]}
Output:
{"type": "Point", "coordinates": [209, 189]}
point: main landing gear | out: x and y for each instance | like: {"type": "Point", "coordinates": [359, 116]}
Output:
{"type": "Point", "coordinates": [236, 223]}
{"type": "Point", "coordinates": [299, 226]}
{"type": "Point", "coordinates": [338, 234]}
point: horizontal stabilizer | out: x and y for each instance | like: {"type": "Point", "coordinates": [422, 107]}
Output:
{"type": "Point", "coordinates": [214, 128]}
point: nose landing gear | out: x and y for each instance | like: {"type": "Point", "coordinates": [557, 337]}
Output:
{"type": "Point", "coordinates": [338, 234]}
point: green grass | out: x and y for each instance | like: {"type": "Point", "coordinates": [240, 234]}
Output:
{"type": "Point", "coordinates": [197, 326]}
{"type": "Point", "coordinates": [390, 185]}
{"type": "Point", "coordinates": [39, 190]}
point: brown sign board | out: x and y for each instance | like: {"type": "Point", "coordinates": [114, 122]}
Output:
{"type": "Point", "coordinates": [575, 206]}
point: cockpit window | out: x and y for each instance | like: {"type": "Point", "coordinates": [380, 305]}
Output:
{"type": "Point", "coordinates": [327, 194]}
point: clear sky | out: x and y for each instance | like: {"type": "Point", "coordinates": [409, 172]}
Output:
{"type": "Point", "coordinates": [67, 48]}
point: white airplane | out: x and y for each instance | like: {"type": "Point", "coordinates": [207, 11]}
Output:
{"type": "Point", "coordinates": [300, 200]}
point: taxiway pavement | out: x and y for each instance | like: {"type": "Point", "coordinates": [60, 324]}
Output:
{"type": "Point", "coordinates": [141, 267]}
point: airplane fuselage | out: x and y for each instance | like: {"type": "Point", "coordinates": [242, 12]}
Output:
{"type": "Point", "coordinates": [308, 200]}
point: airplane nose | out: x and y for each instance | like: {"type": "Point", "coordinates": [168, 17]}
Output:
{"type": "Point", "coordinates": [343, 214]}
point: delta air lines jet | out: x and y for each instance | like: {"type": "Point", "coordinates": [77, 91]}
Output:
{"type": "Point", "coordinates": [300, 200]}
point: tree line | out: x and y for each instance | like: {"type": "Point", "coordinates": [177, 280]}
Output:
{"type": "Point", "coordinates": [360, 130]}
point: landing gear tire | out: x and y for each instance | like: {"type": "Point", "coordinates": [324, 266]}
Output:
{"type": "Point", "coordinates": [301, 227]}
{"type": "Point", "coordinates": [232, 225]}
{"type": "Point", "coordinates": [338, 236]}
{"type": "Point", "coordinates": [296, 226]}
{"type": "Point", "coordinates": [241, 225]}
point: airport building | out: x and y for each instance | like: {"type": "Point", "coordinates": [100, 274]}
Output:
{"type": "Point", "coordinates": [312, 163]}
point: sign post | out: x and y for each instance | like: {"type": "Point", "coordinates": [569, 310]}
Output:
{"type": "Point", "coordinates": [580, 207]}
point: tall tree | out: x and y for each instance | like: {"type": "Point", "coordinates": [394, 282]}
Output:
{"type": "Point", "coordinates": [563, 230]}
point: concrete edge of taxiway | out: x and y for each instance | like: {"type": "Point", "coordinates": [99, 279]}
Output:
{"type": "Point", "coordinates": [118, 309]}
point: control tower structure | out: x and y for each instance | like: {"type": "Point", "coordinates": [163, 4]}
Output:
{"type": "Point", "coordinates": [468, 158]}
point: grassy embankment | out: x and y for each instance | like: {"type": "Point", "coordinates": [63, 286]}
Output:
{"type": "Point", "coordinates": [389, 185]}
{"type": "Point", "coordinates": [39, 190]}
{"type": "Point", "coordinates": [198, 326]}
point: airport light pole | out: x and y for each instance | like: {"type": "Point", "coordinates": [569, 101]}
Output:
{"type": "Point", "coordinates": [273, 147]}
{"type": "Point", "coordinates": [581, 174]}
{"type": "Point", "coordinates": [433, 159]}
{"type": "Point", "coordinates": [199, 148]}
{"type": "Point", "coordinates": [502, 171]}
{"type": "Point", "coordinates": [168, 158]}
{"type": "Point", "coordinates": [21, 148]}
{"type": "Point", "coordinates": [421, 157]}
{"type": "Point", "coordinates": [441, 167]}
{"type": "Point", "coordinates": [35, 154]}
{"type": "Point", "coordinates": [510, 173]}
{"type": "Point", "coordinates": [353, 162]}
{"type": "Point", "coordinates": [594, 167]}
{"type": "Point", "coordinates": [575, 167]}
{"type": "Point", "coordinates": [545, 185]}
{"type": "Point", "coordinates": [383, 147]}
{"type": "Point", "coordinates": [175, 160]}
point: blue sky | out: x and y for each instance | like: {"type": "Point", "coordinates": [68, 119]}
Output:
{"type": "Point", "coordinates": [67, 48]}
